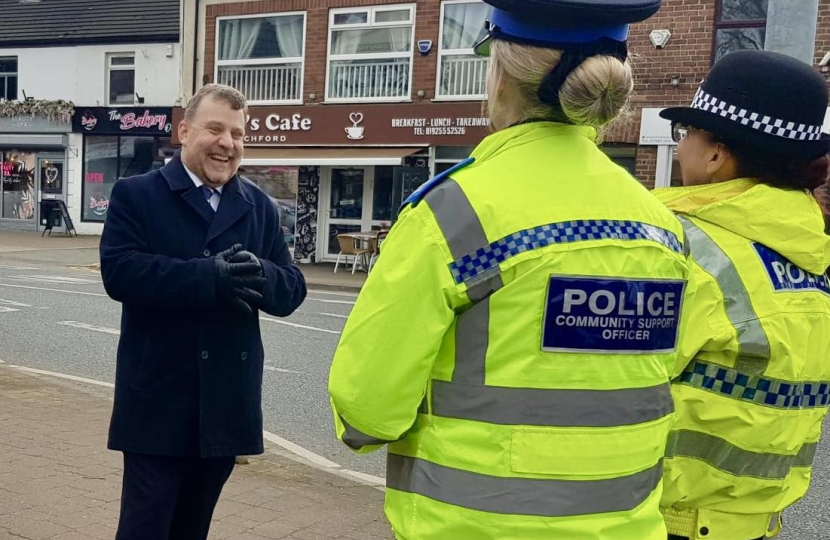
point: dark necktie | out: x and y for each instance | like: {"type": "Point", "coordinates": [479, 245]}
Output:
{"type": "Point", "coordinates": [209, 193]}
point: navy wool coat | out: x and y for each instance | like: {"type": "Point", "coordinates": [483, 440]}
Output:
{"type": "Point", "coordinates": [188, 377]}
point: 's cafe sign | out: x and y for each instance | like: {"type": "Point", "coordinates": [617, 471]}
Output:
{"type": "Point", "coordinates": [451, 124]}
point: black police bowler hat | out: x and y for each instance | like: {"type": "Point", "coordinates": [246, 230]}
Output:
{"type": "Point", "coordinates": [762, 100]}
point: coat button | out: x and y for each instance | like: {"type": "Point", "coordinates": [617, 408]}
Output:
{"type": "Point", "coordinates": [206, 253]}
{"type": "Point", "coordinates": [244, 356]}
{"type": "Point", "coordinates": [205, 355]}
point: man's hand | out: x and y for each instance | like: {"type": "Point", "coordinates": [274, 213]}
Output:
{"type": "Point", "coordinates": [238, 280]}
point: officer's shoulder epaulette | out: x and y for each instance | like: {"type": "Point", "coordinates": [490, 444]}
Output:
{"type": "Point", "coordinates": [419, 194]}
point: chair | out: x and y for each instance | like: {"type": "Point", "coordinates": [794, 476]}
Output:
{"type": "Point", "coordinates": [374, 245]}
{"type": "Point", "coordinates": [349, 248]}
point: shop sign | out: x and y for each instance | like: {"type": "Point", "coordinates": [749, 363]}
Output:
{"type": "Point", "coordinates": [123, 121]}
{"type": "Point", "coordinates": [32, 124]}
{"type": "Point", "coordinates": [450, 124]}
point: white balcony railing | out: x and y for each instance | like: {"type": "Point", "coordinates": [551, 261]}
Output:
{"type": "Point", "coordinates": [463, 76]}
{"type": "Point", "coordinates": [278, 82]}
{"type": "Point", "coordinates": [363, 79]}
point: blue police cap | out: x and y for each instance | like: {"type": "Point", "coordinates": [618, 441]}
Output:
{"type": "Point", "coordinates": [563, 23]}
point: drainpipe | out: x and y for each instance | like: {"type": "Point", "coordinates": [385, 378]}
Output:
{"type": "Point", "coordinates": [195, 46]}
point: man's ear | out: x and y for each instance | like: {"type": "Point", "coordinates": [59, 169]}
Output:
{"type": "Point", "coordinates": [182, 131]}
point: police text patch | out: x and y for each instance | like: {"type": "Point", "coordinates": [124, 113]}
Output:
{"type": "Point", "coordinates": [611, 315]}
{"type": "Point", "coordinates": [785, 276]}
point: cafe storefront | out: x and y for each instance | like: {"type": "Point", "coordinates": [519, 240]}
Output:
{"type": "Point", "coordinates": [334, 169]}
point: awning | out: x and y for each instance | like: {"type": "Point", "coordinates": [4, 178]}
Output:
{"type": "Point", "coordinates": [327, 156]}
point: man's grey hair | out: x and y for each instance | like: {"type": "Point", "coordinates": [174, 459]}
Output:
{"type": "Point", "coordinates": [220, 92]}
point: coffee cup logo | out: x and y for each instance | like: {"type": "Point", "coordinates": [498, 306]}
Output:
{"type": "Point", "coordinates": [355, 132]}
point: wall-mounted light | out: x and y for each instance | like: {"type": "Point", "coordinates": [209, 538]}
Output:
{"type": "Point", "coordinates": [139, 99]}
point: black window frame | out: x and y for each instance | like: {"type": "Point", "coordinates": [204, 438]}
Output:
{"type": "Point", "coordinates": [732, 25]}
{"type": "Point", "coordinates": [4, 79]}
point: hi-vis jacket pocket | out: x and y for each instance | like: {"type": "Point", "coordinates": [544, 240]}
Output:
{"type": "Point", "coordinates": [603, 451]}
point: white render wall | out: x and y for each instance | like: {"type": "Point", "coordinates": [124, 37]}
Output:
{"type": "Point", "coordinates": [78, 74]}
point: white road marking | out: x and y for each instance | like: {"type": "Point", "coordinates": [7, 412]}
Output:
{"type": "Point", "coordinates": [370, 478]}
{"type": "Point", "coordinates": [330, 301]}
{"type": "Point", "coordinates": [332, 293]}
{"type": "Point", "coordinates": [299, 450]}
{"type": "Point", "coordinates": [315, 460]}
{"type": "Point", "coordinates": [8, 267]}
{"type": "Point", "coordinates": [63, 376]}
{"type": "Point", "coordinates": [82, 293]}
{"type": "Point", "coordinates": [294, 325]}
{"type": "Point", "coordinates": [4, 309]}
{"type": "Point", "coordinates": [92, 327]}
{"type": "Point", "coordinates": [56, 280]}
{"type": "Point", "coordinates": [13, 303]}
{"type": "Point", "coordinates": [335, 315]}
{"type": "Point", "coordinates": [281, 370]}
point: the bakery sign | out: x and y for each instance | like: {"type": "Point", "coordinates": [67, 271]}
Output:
{"type": "Point", "coordinates": [450, 124]}
{"type": "Point", "coordinates": [123, 121]}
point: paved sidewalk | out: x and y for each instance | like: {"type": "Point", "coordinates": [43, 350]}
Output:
{"type": "Point", "coordinates": [58, 481]}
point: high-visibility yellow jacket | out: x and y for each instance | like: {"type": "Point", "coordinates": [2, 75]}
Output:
{"type": "Point", "coordinates": [515, 341]}
{"type": "Point", "coordinates": [753, 382]}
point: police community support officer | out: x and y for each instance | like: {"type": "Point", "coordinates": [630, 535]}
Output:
{"type": "Point", "coordinates": [515, 342]}
{"type": "Point", "coordinates": [754, 385]}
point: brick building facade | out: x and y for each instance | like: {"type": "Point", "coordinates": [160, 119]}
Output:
{"type": "Point", "coordinates": [360, 64]}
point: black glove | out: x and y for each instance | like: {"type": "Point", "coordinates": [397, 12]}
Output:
{"type": "Point", "coordinates": [249, 260]}
{"type": "Point", "coordinates": [233, 279]}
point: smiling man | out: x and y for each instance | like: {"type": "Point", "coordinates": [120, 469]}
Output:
{"type": "Point", "coordinates": [193, 253]}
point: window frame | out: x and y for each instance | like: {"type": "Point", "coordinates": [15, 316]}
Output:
{"type": "Point", "coordinates": [731, 25]}
{"type": "Point", "coordinates": [4, 77]}
{"type": "Point", "coordinates": [452, 52]}
{"type": "Point", "coordinates": [110, 68]}
{"type": "Point", "coordinates": [263, 61]}
{"type": "Point", "coordinates": [372, 10]}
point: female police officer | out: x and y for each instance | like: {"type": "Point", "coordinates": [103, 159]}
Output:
{"type": "Point", "coordinates": [514, 344]}
{"type": "Point", "coordinates": [753, 387]}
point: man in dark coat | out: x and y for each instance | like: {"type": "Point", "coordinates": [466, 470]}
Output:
{"type": "Point", "coordinates": [193, 253]}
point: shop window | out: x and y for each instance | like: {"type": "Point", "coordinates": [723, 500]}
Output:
{"type": "Point", "coordinates": [739, 25]}
{"type": "Point", "coordinates": [447, 157]}
{"type": "Point", "coordinates": [18, 184]}
{"type": "Point", "coordinates": [462, 74]}
{"type": "Point", "coordinates": [262, 57]}
{"type": "Point", "coordinates": [8, 78]}
{"type": "Point", "coordinates": [108, 158]}
{"type": "Point", "coordinates": [121, 78]}
{"type": "Point", "coordinates": [370, 53]}
{"type": "Point", "coordinates": [281, 185]}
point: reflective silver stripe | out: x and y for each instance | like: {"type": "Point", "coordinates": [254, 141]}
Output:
{"type": "Point", "coordinates": [727, 457]}
{"type": "Point", "coordinates": [472, 337]}
{"type": "Point", "coordinates": [464, 233]}
{"type": "Point", "coordinates": [754, 354]}
{"type": "Point", "coordinates": [547, 407]}
{"type": "Point", "coordinates": [356, 439]}
{"type": "Point", "coordinates": [520, 496]}
{"type": "Point", "coordinates": [457, 218]}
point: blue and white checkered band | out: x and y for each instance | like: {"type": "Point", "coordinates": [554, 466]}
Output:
{"type": "Point", "coordinates": [774, 126]}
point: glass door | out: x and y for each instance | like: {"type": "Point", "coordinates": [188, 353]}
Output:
{"type": "Point", "coordinates": [349, 204]}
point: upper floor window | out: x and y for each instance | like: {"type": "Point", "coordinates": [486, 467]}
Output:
{"type": "Point", "coordinates": [370, 53]}
{"type": "Point", "coordinates": [262, 56]}
{"type": "Point", "coordinates": [461, 74]}
{"type": "Point", "coordinates": [8, 77]}
{"type": "Point", "coordinates": [739, 25]}
{"type": "Point", "coordinates": [121, 78]}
